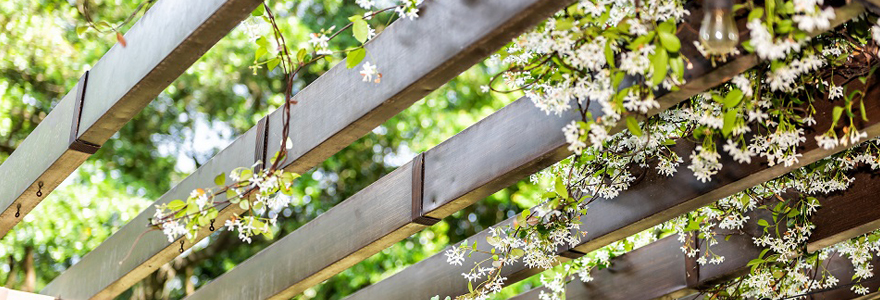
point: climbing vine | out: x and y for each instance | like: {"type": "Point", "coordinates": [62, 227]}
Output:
{"type": "Point", "coordinates": [262, 190]}
{"type": "Point", "coordinates": [610, 61]}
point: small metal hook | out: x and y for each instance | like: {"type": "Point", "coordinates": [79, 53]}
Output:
{"type": "Point", "coordinates": [181, 246]}
{"type": "Point", "coordinates": [40, 189]}
{"type": "Point", "coordinates": [212, 225]}
{"type": "Point", "coordinates": [18, 210]}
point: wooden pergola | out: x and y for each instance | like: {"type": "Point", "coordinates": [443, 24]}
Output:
{"type": "Point", "coordinates": [503, 148]}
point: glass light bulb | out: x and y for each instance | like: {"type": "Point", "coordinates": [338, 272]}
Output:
{"type": "Point", "coordinates": [718, 33]}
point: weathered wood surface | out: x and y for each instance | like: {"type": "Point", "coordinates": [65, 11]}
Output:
{"type": "Point", "coordinates": [649, 273]}
{"type": "Point", "coordinates": [333, 112]}
{"type": "Point", "coordinates": [442, 196]}
{"type": "Point", "coordinates": [650, 202]}
{"type": "Point", "coordinates": [332, 138]}
{"type": "Point", "coordinates": [662, 264]}
{"type": "Point", "coordinates": [10, 294]}
{"type": "Point", "coordinates": [863, 193]}
{"type": "Point", "coordinates": [161, 45]}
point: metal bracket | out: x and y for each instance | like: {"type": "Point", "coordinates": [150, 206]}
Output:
{"type": "Point", "coordinates": [691, 267]}
{"type": "Point", "coordinates": [261, 143]}
{"type": "Point", "coordinates": [75, 143]}
{"type": "Point", "coordinates": [418, 192]}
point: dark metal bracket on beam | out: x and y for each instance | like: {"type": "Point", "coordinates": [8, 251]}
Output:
{"type": "Point", "coordinates": [418, 192]}
{"type": "Point", "coordinates": [77, 144]}
{"type": "Point", "coordinates": [261, 143]}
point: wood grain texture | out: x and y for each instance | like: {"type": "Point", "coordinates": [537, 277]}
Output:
{"type": "Point", "coordinates": [863, 193]}
{"type": "Point", "coordinates": [393, 190]}
{"type": "Point", "coordinates": [161, 45]}
{"type": "Point", "coordinates": [329, 116]}
{"type": "Point", "coordinates": [100, 275]}
{"type": "Point", "coordinates": [445, 195]}
{"type": "Point", "coordinates": [652, 201]}
{"type": "Point", "coordinates": [661, 264]}
{"type": "Point", "coordinates": [366, 223]}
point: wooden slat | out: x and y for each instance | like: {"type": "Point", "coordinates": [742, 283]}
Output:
{"type": "Point", "coordinates": [333, 112]}
{"type": "Point", "coordinates": [10, 294]}
{"type": "Point", "coordinates": [662, 263]}
{"type": "Point", "coordinates": [442, 197]}
{"type": "Point", "coordinates": [161, 45]}
{"type": "Point", "coordinates": [649, 273]}
{"type": "Point", "coordinates": [372, 219]}
{"type": "Point", "coordinates": [857, 221]}
{"type": "Point", "coordinates": [654, 200]}
{"type": "Point", "coordinates": [477, 162]}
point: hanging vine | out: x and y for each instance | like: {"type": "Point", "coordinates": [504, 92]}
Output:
{"type": "Point", "coordinates": [607, 60]}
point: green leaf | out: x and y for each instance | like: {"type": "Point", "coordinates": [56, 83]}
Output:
{"type": "Point", "coordinates": [355, 57]}
{"type": "Point", "coordinates": [660, 63]}
{"type": "Point", "coordinates": [192, 208]}
{"type": "Point", "coordinates": [103, 24]}
{"type": "Point", "coordinates": [176, 205]}
{"type": "Point", "coordinates": [259, 11]}
{"type": "Point", "coordinates": [262, 42]}
{"type": "Point", "coordinates": [301, 55]}
{"type": "Point", "coordinates": [668, 26]}
{"type": "Point", "coordinates": [763, 223]}
{"type": "Point", "coordinates": [260, 52]}
{"type": "Point", "coordinates": [835, 113]}
{"type": "Point", "coordinates": [81, 29]}
{"type": "Point", "coordinates": [862, 109]}
{"type": "Point", "coordinates": [245, 205]}
{"type": "Point", "coordinates": [246, 174]}
{"type": "Point", "coordinates": [633, 126]}
{"type": "Point", "coordinates": [733, 98]}
{"type": "Point", "coordinates": [729, 122]}
{"type": "Point", "coordinates": [517, 253]}
{"type": "Point", "coordinates": [561, 189]}
{"type": "Point", "coordinates": [564, 24]}
{"type": "Point", "coordinates": [677, 66]}
{"type": "Point", "coordinates": [670, 42]}
{"type": "Point", "coordinates": [609, 54]}
{"type": "Point", "coordinates": [272, 63]}
{"type": "Point", "coordinates": [361, 29]}
{"type": "Point", "coordinates": [220, 180]}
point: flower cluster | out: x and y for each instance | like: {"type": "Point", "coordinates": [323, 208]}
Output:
{"type": "Point", "coordinates": [262, 193]}
{"type": "Point", "coordinates": [608, 59]}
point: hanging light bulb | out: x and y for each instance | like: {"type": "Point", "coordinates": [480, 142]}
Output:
{"type": "Point", "coordinates": [718, 32]}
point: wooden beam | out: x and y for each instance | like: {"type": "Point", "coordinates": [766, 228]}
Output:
{"type": "Point", "coordinates": [657, 271]}
{"type": "Point", "coordinates": [340, 238]}
{"type": "Point", "coordinates": [857, 221]}
{"type": "Point", "coordinates": [659, 267]}
{"type": "Point", "coordinates": [161, 46]}
{"type": "Point", "coordinates": [477, 162]}
{"type": "Point", "coordinates": [333, 112]}
{"type": "Point", "coordinates": [10, 294]}
{"type": "Point", "coordinates": [652, 201]}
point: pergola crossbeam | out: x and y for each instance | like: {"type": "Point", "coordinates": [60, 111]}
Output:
{"type": "Point", "coordinates": [655, 199]}
{"type": "Point", "coordinates": [660, 267]}
{"type": "Point", "coordinates": [169, 38]}
{"type": "Point", "coordinates": [331, 113]}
